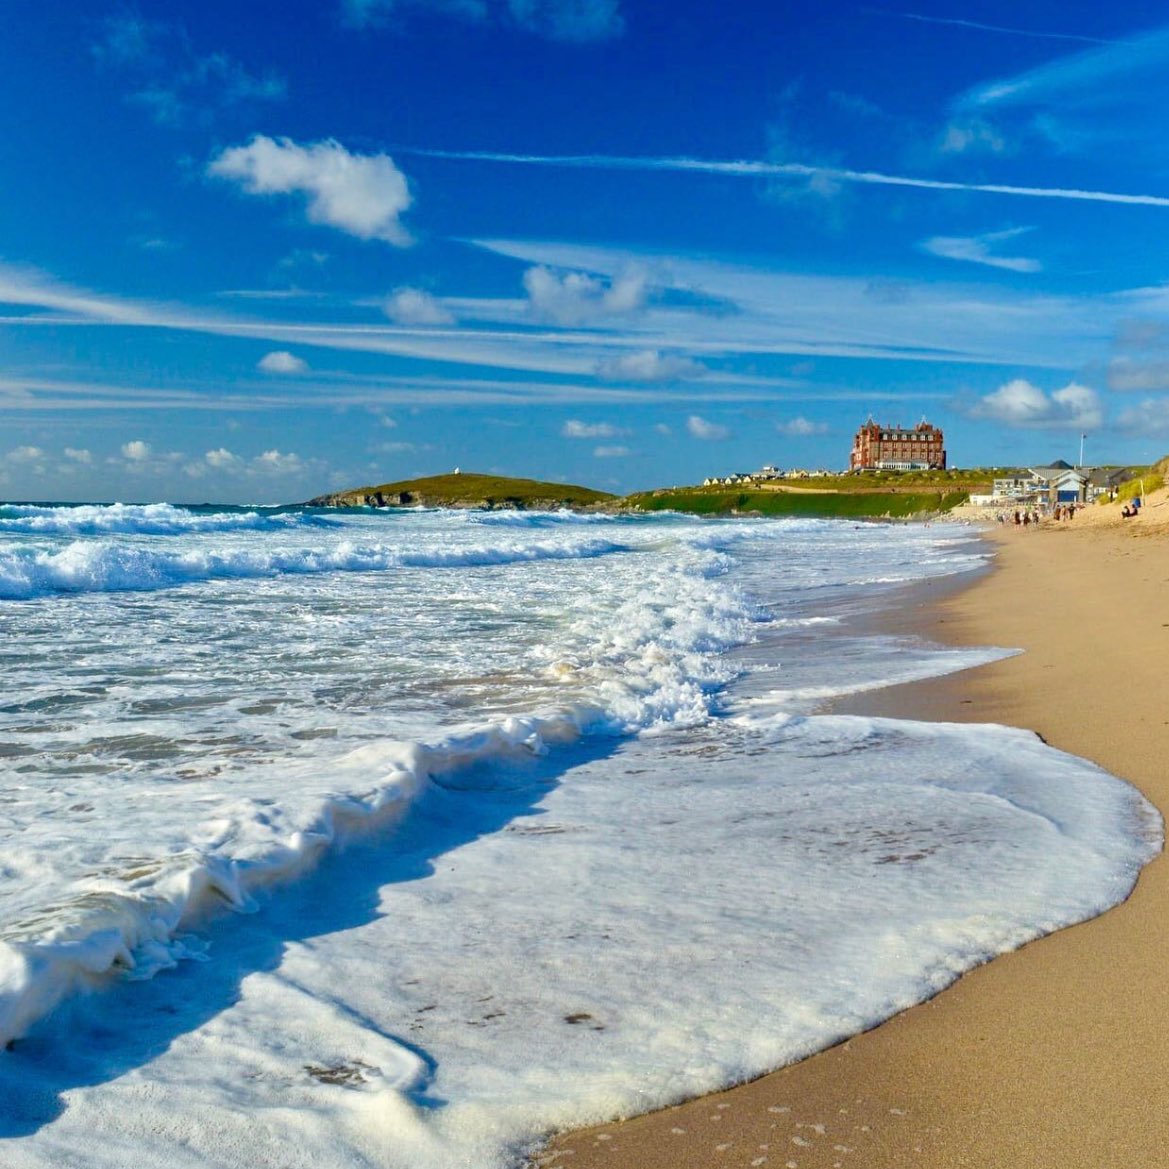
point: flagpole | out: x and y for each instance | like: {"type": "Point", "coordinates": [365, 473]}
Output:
{"type": "Point", "coordinates": [1082, 437]}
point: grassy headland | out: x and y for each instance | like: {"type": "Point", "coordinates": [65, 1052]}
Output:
{"type": "Point", "coordinates": [868, 496]}
{"type": "Point", "coordinates": [468, 490]}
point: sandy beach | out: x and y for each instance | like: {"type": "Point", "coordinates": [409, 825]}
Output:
{"type": "Point", "coordinates": [1057, 1054]}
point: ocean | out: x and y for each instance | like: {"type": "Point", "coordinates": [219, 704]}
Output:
{"type": "Point", "coordinates": [400, 839]}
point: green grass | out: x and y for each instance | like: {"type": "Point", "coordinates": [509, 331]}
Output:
{"type": "Point", "coordinates": [843, 505]}
{"type": "Point", "coordinates": [1146, 479]}
{"type": "Point", "coordinates": [493, 489]}
{"type": "Point", "coordinates": [974, 481]}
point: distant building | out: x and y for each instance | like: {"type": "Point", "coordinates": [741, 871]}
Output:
{"type": "Point", "coordinates": [1057, 483]}
{"type": "Point", "coordinates": [894, 448]}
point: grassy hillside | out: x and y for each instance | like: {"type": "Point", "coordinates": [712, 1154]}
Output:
{"type": "Point", "coordinates": [874, 495]}
{"type": "Point", "coordinates": [467, 490]}
{"type": "Point", "coordinates": [819, 504]}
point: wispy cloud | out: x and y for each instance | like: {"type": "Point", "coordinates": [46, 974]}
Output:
{"type": "Point", "coordinates": [570, 21]}
{"type": "Point", "coordinates": [360, 194]}
{"type": "Point", "coordinates": [651, 365]}
{"type": "Point", "coordinates": [574, 428]}
{"type": "Point", "coordinates": [1150, 416]}
{"type": "Point", "coordinates": [801, 427]}
{"type": "Point", "coordinates": [171, 79]}
{"type": "Point", "coordinates": [579, 21]}
{"type": "Point", "coordinates": [379, 13]}
{"type": "Point", "coordinates": [1083, 103]}
{"type": "Point", "coordinates": [1126, 375]}
{"type": "Point", "coordinates": [700, 427]}
{"type": "Point", "coordinates": [746, 168]}
{"type": "Point", "coordinates": [971, 135]}
{"type": "Point", "coordinates": [1082, 77]}
{"type": "Point", "coordinates": [978, 26]}
{"type": "Point", "coordinates": [977, 250]}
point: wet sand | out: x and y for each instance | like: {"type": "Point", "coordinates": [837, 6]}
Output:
{"type": "Point", "coordinates": [1057, 1054]}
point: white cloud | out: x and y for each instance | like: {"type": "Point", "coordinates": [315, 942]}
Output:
{"type": "Point", "coordinates": [576, 297]}
{"type": "Point", "coordinates": [26, 454]}
{"type": "Point", "coordinates": [412, 306]}
{"type": "Point", "coordinates": [362, 195]}
{"type": "Point", "coordinates": [276, 462]}
{"type": "Point", "coordinates": [709, 431]}
{"type": "Point", "coordinates": [78, 456]}
{"type": "Point", "coordinates": [569, 20]}
{"type": "Point", "coordinates": [662, 429]}
{"type": "Point", "coordinates": [800, 427]}
{"type": "Point", "coordinates": [136, 451]}
{"type": "Point", "coordinates": [650, 365]}
{"type": "Point", "coordinates": [281, 361]}
{"type": "Point", "coordinates": [611, 452]}
{"type": "Point", "coordinates": [977, 250]}
{"type": "Point", "coordinates": [1020, 403]}
{"type": "Point", "coordinates": [574, 428]}
{"type": "Point", "coordinates": [223, 460]}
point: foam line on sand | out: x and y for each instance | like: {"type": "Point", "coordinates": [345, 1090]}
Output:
{"type": "Point", "coordinates": [1056, 1054]}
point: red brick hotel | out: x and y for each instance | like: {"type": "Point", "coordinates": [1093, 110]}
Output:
{"type": "Point", "coordinates": [892, 448]}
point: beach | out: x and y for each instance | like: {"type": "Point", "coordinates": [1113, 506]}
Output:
{"type": "Point", "coordinates": [1057, 1053]}
{"type": "Point", "coordinates": [584, 815]}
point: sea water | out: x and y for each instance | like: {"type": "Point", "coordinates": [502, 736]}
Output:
{"type": "Point", "coordinates": [400, 839]}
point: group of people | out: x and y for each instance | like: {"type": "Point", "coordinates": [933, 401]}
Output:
{"type": "Point", "coordinates": [1027, 517]}
{"type": "Point", "coordinates": [1132, 508]}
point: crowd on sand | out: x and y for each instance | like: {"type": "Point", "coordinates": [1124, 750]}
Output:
{"type": "Point", "coordinates": [1143, 515]}
{"type": "Point", "coordinates": [1029, 516]}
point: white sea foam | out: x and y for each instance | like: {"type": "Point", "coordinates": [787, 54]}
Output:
{"type": "Point", "coordinates": [104, 567]}
{"type": "Point", "coordinates": [566, 758]}
{"type": "Point", "coordinates": [152, 519]}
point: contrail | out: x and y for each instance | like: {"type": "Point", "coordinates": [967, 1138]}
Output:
{"type": "Point", "coordinates": [751, 169]}
{"type": "Point", "coordinates": [979, 27]}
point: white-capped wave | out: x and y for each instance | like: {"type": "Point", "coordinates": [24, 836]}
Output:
{"type": "Point", "coordinates": [149, 519]}
{"type": "Point", "coordinates": [644, 655]}
{"type": "Point", "coordinates": [87, 567]}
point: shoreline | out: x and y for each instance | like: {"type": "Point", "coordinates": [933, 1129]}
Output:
{"type": "Point", "coordinates": [1051, 1054]}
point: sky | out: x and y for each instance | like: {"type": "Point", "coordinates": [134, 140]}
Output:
{"type": "Point", "coordinates": [256, 252]}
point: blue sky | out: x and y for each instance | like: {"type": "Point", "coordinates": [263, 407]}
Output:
{"type": "Point", "coordinates": [252, 252]}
